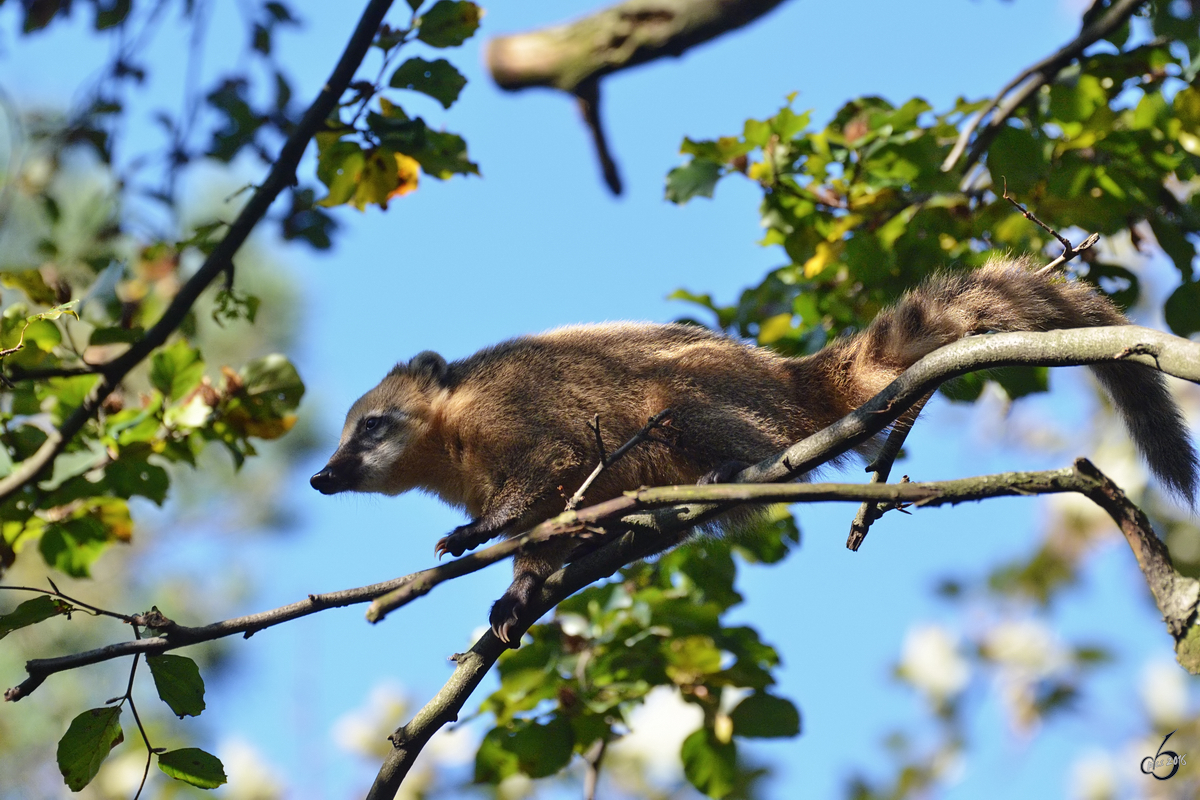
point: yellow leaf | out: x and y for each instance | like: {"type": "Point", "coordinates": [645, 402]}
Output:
{"type": "Point", "coordinates": [774, 328]}
{"type": "Point", "coordinates": [827, 252]}
{"type": "Point", "coordinates": [407, 170]}
{"type": "Point", "coordinates": [760, 171]}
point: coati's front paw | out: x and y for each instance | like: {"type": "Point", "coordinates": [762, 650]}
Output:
{"type": "Point", "coordinates": [722, 473]}
{"type": "Point", "coordinates": [510, 608]}
{"type": "Point", "coordinates": [459, 541]}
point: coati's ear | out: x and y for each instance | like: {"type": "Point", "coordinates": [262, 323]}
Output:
{"type": "Point", "coordinates": [427, 367]}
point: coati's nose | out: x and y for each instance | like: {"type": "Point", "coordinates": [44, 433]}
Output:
{"type": "Point", "coordinates": [326, 481]}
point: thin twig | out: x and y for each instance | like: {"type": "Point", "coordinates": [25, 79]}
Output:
{"type": "Point", "coordinates": [174, 636]}
{"type": "Point", "coordinates": [592, 759]}
{"type": "Point", "coordinates": [659, 420]}
{"type": "Point", "coordinates": [587, 95]}
{"type": "Point", "coordinates": [53, 591]}
{"type": "Point", "coordinates": [1064, 241]}
{"type": "Point", "coordinates": [1070, 253]}
{"type": "Point", "coordinates": [880, 468]}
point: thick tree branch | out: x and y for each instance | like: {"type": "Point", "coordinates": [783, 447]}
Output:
{"type": "Point", "coordinates": [220, 260]}
{"type": "Point", "coordinates": [1030, 80]}
{"type": "Point", "coordinates": [622, 36]}
{"type": "Point", "coordinates": [575, 56]}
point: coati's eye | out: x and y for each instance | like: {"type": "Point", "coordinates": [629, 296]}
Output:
{"type": "Point", "coordinates": [370, 423]}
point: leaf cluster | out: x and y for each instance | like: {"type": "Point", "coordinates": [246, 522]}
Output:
{"type": "Point", "coordinates": [658, 625]}
{"type": "Point", "coordinates": [863, 208]}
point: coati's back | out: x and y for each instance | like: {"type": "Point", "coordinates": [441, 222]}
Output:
{"type": "Point", "coordinates": [533, 397]}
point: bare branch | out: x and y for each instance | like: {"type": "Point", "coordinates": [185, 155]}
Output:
{"type": "Point", "coordinates": [174, 636]}
{"type": "Point", "coordinates": [880, 469]}
{"type": "Point", "coordinates": [661, 518]}
{"type": "Point", "coordinates": [575, 56]}
{"type": "Point", "coordinates": [587, 96]}
{"type": "Point", "coordinates": [220, 260]}
{"type": "Point", "coordinates": [614, 39]}
{"type": "Point", "coordinates": [1030, 80]}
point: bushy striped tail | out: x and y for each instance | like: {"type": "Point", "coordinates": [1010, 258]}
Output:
{"type": "Point", "coordinates": [1010, 295]}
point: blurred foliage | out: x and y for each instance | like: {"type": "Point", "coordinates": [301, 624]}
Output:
{"type": "Point", "coordinates": [96, 240]}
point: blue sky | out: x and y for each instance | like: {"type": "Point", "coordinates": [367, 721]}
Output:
{"type": "Point", "coordinates": [537, 242]}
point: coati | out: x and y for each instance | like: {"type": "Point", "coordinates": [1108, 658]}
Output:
{"type": "Point", "coordinates": [505, 435]}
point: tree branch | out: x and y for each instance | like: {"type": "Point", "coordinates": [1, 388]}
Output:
{"type": "Point", "coordinates": [575, 56]}
{"type": "Point", "coordinates": [220, 260]}
{"type": "Point", "coordinates": [1032, 79]}
{"type": "Point", "coordinates": [173, 635]}
{"type": "Point", "coordinates": [1176, 596]}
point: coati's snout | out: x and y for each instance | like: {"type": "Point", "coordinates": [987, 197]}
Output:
{"type": "Point", "coordinates": [339, 475]}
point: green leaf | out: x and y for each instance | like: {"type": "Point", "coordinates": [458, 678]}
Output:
{"type": "Point", "coordinates": [708, 764]}
{"type": "Point", "coordinates": [176, 370]}
{"type": "Point", "coordinates": [339, 166]}
{"type": "Point", "coordinates": [442, 155]}
{"type": "Point", "coordinates": [697, 179]}
{"type": "Point", "coordinates": [766, 716]}
{"type": "Point", "coordinates": [273, 382]}
{"type": "Point", "coordinates": [71, 546]}
{"type": "Point", "coordinates": [1182, 310]}
{"type": "Point", "coordinates": [115, 336]}
{"type": "Point", "coordinates": [179, 684]}
{"type": "Point", "coordinates": [87, 742]}
{"type": "Point", "coordinates": [1015, 160]}
{"type": "Point", "coordinates": [1174, 242]}
{"type": "Point", "coordinates": [32, 612]}
{"type": "Point", "coordinates": [690, 658]}
{"type": "Point", "coordinates": [1021, 381]}
{"type": "Point", "coordinates": [534, 749]}
{"type": "Point", "coordinates": [129, 476]}
{"type": "Point", "coordinates": [494, 761]}
{"type": "Point", "coordinates": [32, 283]}
{"type": "Point", "coordinates": [438, 79]}
{"type": "Point", "coordinates": [193, 765]}
{"type": "Point", "coordinates": [449, 23]}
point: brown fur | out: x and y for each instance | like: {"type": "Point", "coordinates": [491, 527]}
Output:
{"type": "Point", "coordinates": [504, 435]}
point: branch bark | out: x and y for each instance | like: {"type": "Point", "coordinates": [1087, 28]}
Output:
{"type": "Point", "coordinates": [574, 57]}
{"type": "Point", "coordinates": [622, 36]}
{"type": "Point", "coordinates": [281, 175]}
